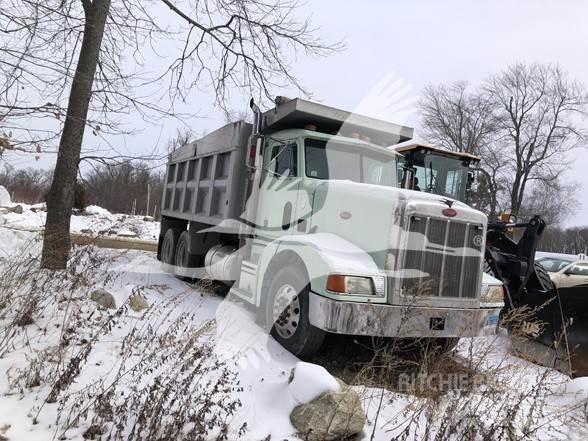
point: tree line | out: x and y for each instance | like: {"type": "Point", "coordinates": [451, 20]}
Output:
{"type": "Point", "coordinates": [126, 187]}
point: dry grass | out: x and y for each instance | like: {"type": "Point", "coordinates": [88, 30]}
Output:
{"type": "Point", "coordinates": [164, 383]}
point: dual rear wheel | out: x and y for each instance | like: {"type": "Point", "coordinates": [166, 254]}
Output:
{"type": "Point", "coordinates": [175, 252]}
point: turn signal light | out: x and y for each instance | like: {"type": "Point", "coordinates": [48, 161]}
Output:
{"type": "Point", "coordinates": [353, 285]}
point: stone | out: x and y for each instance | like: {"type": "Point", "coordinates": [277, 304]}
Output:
{"type": "Point", "coordinates": [103, 298]}
{"type": "Point", "coordinates": [331, 416]}
{"type": "Point", "coordinates": [17, 209]}
{"type": "Point", "coordinates": [4, 196]}
{"type": "Point", "coordinates": [86, 231]}
{"type": "Point", "coordinates": [138, 303]}
{"type": "Point", "coordinates": [148, 219]}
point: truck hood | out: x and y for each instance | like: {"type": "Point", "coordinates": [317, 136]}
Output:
{"type": "Point", "coordinates": [407, 200]}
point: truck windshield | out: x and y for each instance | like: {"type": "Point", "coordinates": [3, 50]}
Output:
{"type": "Point", "coordinates": [443, 176]}
{"type": "Point", "coordinates": [339, 161]}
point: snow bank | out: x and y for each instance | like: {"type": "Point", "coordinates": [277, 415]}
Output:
{"type": "Point", "coordinates": [310, 381]}
{"type": "Point", "coordinates": [96, 210]}
{"type": "Point", "coordinates": [4, 196]}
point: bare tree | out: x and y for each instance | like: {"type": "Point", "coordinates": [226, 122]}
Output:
{"type": "Point", "coordinates": [538, 109]}
{"type": "Point", "coordinates": [77, 48]}
{"type": "Point", "coordinates": [463, 121]}
{"type": "Point", "coordinates": [181, 138]}
{"type": "Point", "coordinates": [522, 123]}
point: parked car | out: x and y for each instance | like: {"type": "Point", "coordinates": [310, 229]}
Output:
{"type": "Point", "coordinates": [566, 272]}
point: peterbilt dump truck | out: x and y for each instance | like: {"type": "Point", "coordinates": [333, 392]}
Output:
{"type": "Point", "coordinates": [302, 214]}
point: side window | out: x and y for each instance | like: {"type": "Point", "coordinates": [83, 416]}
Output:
{"type": "Point", "coordinates": [283, 161]}
{"type": "Point", "coordinates": [578, 270]}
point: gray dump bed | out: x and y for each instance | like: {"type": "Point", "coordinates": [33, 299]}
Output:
{"type": "Point", "coordinates": [205, 180]}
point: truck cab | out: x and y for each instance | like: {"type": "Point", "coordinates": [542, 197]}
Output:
{"type": "Point", "coordinates": [302, 213]}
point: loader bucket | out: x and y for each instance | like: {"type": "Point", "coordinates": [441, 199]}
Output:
{"type": "Point", "coordinates": [563, 340]}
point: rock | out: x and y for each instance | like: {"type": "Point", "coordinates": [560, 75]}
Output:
{"type": "Point", "coordinates": [138, 303]}
{"type": "Point", "coordinates": [4, 196]}
{"type": "Point", "coordinates": [148, 219]}
{"type": "Point", "coordinates": [86, 231]}
{"type": "Point", "coordinates": [17, 209]}
{"type": "Point", "coordinates": [331, 416]}
{"type": "Point", "coordinates": [103, 298]}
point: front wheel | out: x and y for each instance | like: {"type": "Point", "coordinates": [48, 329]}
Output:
{"type": "Point", "coordinates": [287, 313]}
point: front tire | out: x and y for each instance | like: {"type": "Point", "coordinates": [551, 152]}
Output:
{"type": "Point", "coordinates": [287, 313]}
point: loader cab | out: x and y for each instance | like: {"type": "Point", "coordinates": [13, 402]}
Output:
{"type": "Point", "coordinates": [436, 170]}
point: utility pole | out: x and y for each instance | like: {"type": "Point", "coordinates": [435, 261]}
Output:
{"type": "Point", "coordinates": [148, 197]}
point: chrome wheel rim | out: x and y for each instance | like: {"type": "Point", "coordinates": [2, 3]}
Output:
{"type": "Point", "coordinates": [286, 311]}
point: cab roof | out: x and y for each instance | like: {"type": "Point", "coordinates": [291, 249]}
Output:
{"type": "Point", "coordinates": [436, 149]}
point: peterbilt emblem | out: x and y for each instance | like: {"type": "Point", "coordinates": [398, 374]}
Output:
{"type": "Point", "coordinates": [478, 240]}
{"type": "Point", "coordinates": [447, 202]}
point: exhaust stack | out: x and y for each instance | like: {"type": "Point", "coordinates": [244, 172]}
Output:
{"type": "Point", "coordinates": [256, 117]}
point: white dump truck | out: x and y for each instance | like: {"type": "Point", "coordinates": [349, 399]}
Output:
{"type": "Point", "coordinates": [303, 214]}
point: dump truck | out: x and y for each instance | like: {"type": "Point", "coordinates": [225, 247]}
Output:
{"type": "Point", "coordinates": [554, 331]}
{"type": "Point", "coordinates": [302, 214]}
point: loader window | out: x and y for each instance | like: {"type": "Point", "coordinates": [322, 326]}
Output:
{"type": "Point", "coordinates": [338, 161]}
{"type": "Point", "coordinates": [442, 175]}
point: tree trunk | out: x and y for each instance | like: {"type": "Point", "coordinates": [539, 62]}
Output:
{"type": "Point", "coordinates": [56, 242]}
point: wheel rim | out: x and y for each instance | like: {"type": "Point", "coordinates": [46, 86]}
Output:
{"type": "Point", "coordinates": [286, 311]}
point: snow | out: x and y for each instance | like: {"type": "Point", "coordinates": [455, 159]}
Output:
{"type": "Point", "coordinates": [310, 381]}
{"type": "Point", "coordinates": [98, 211]}
{"type": "Point", "coordinates": [4, 197]}
{"type": "Point", "coordinates": [95, 221]}
{"type": "Point", "coordinates": [261, 366]}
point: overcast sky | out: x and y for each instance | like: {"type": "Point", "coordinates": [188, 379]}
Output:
{"type": "Point", "coordinates": [404, 45]}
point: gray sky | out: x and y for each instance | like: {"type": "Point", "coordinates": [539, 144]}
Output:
{"type": "Point", "coordinates": [415, 43]}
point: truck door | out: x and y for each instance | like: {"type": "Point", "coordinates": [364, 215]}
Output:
{"type": "Point", "coordinates": [280, 184]}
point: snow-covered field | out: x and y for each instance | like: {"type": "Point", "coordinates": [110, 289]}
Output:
{"type": "Point", "coordinates": [194, 362]}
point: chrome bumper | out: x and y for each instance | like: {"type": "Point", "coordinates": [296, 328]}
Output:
{"type": "Point", "coordinates": [382, 320]}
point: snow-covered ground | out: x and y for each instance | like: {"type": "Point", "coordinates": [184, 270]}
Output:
{"type": "Point", "coordinates": [95, 221]}
{"type": "Point", "coordinates": [110, 368]}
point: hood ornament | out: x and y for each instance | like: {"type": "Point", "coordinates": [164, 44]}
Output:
{"type": "Point", "coordinates": [447, 202]}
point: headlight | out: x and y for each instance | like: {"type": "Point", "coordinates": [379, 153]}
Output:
{"type": "Point", "coordinates": [492, 294]}
{"type": "Point", "coordinates": [354, 285]}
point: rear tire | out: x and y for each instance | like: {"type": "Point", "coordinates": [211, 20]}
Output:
{"type": "Point", "coordinates": [183, 259]}
{"type": "Point", "coordinates": [287, 313]}
{"type": "Point", "coordinates": [168, 248]}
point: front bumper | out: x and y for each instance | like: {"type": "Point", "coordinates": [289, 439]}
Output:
{"type": "Point", "coordinates": [382, 320]}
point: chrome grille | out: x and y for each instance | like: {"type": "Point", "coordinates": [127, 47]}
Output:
{"type": "Point", "coordinates": [442, 258]}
